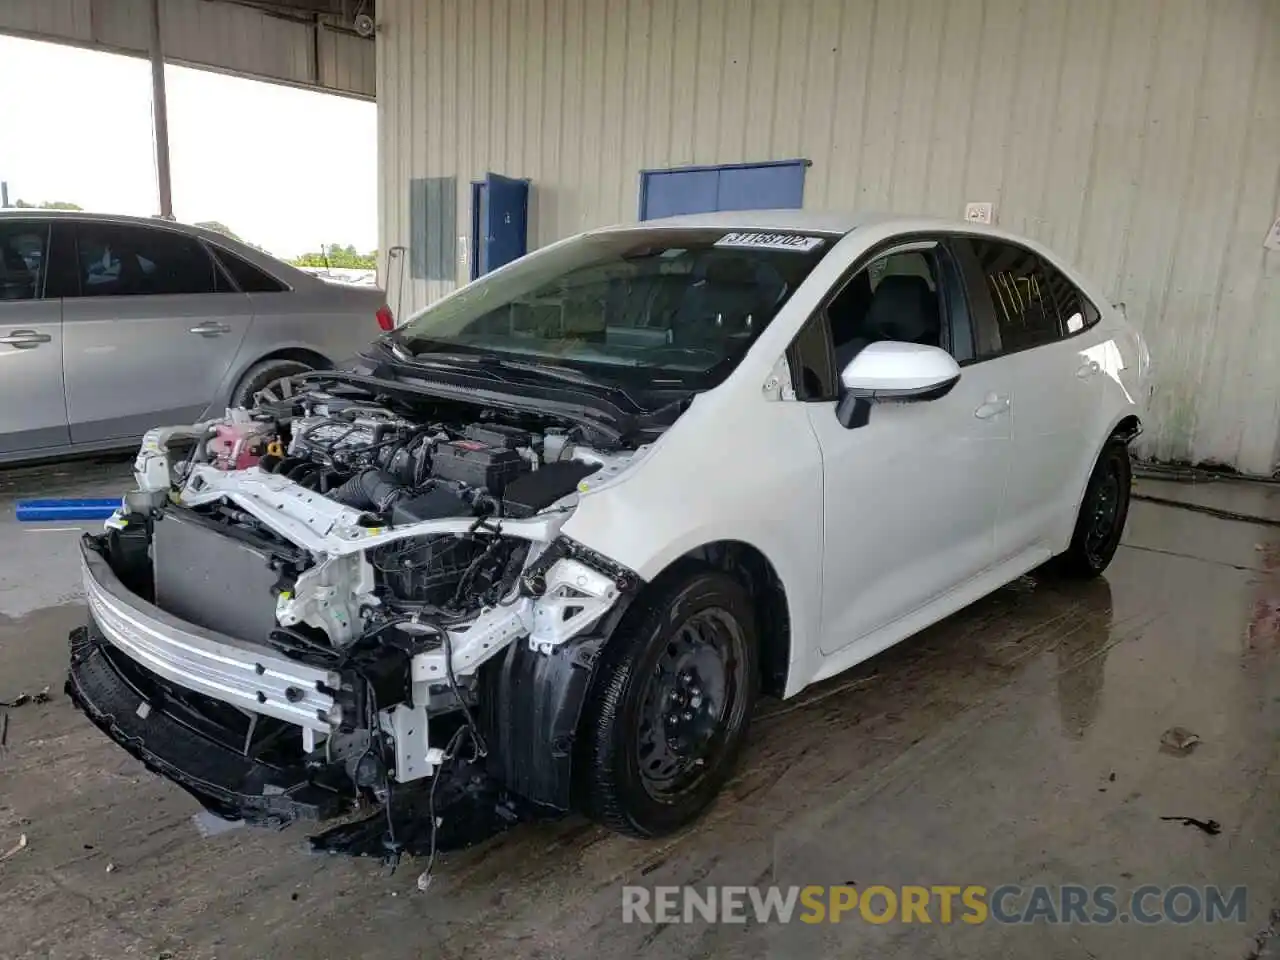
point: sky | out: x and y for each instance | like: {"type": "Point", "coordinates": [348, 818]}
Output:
{"type": "Point", "coordinates": [284, 168]}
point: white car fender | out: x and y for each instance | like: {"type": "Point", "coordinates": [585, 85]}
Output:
{"type": "Point", "coordinates": [734, 467]}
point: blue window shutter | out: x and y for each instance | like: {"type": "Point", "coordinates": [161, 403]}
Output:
{"type": "Point", "coordinates": [668, 193]}
{"type": "Point", "coordinates": [738, 186]}
{"type": "Point", "coordinates": [773, 187]}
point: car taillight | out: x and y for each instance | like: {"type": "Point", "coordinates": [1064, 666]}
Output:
{"type": "Point", "coordinates": [386, 319]}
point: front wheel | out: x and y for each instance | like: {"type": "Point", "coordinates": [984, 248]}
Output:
{"type": "Point", "coordinates": [1101, 519]}
{"type": "Point", "coordinates": [669, 705]}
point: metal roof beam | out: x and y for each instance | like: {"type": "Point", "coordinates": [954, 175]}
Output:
{"type": "Point", "coordinates": [344, 10]}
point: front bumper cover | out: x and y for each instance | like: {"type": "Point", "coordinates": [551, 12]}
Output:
{"type": "Point", "coordinates": [136, 669]}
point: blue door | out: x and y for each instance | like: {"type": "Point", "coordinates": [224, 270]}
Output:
{"type": "Point", "coordinates": [740, 186]}
{"type": "Point", "coordinates": [499, 217]}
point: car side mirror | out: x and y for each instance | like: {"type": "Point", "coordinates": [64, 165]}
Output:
{"type": "Point", "coordinates": [891, 371]}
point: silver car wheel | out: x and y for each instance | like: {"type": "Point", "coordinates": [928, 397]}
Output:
{"type": "Point", "coordinates": [275, 391]}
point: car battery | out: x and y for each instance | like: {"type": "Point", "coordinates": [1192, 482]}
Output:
{"type": "Point", "coordinates": [477, 464]}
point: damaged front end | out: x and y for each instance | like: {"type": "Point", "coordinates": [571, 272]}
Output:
{"type": "Point", "coordinates": [308, 609]}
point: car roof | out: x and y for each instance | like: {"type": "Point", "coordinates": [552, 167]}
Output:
{"type": "Point", "coordinates": [29, 213]}
{"type": "Point", "coordinates": [813, 221]}
{"type": "Point", "coordinates": [830, 222]}
{"type": "Point", "coordinates": [271, 263]}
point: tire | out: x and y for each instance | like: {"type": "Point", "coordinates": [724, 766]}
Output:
{"type": "Point", "coordinates": [262, 374]}
{"type": "Point", "coordinates": [690, 646]}
{"type": "Point", "coordinates": [1103, 511]}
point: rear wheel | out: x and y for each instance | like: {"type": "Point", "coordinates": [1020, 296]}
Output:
{"type": "Point", "coordinates": [268, 377]}
{"type": "Point", "coordinates": [670, 704]}
{"type": "Point", "coordinates": [1103, 511]}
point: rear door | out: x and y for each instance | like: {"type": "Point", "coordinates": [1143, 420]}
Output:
{"type": "Point", "coordinates": [336, 320]}
{"type": "Point", "coordinates": [33, 414]}
{"type": "Point", "coordinates": [152, 326]}
{"type": "Point", "coordinates": [1034, 319]}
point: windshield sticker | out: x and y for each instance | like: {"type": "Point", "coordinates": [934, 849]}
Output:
{"type": "Point", "coordinates": [770, 241]}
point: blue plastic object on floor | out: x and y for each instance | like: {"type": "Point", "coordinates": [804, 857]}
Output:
{"type": "Point", "coordinates": [30, 511]}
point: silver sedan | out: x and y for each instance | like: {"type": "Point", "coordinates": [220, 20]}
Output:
{"type": "Point", "coordinates": [111, 325]}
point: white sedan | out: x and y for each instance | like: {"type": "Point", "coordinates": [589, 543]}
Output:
{"type": "Point", "coordinates": [561, 528]}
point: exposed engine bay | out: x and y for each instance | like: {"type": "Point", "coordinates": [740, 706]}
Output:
{"type": "Point", "coordinates": [340, 568]}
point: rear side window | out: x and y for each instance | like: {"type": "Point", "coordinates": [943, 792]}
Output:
{"type": "Point", "coordinates": [246, 276]}
{"type": "Point", "coordinates": [23, 256]}
{"type": "Point", "coordinates": [1075, 312]}
{"type": "Point", "coordinates": [1010, 294]}
{"type": "Point", "coordinates": [121, 260]}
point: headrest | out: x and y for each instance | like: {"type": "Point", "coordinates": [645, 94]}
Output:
{"type": "Point", "coordinates": [903, 308]}
{"type": "Point", "coordinates": [727, 270]}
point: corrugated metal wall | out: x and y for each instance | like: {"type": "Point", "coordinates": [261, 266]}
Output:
{"type": "Point", "coordinates": [223, 36]}
{"type": "Point", "coordinates": [1141, 138]}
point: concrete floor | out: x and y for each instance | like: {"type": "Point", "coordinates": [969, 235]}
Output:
{"type": "Point", "coordinates": [1017, 742]}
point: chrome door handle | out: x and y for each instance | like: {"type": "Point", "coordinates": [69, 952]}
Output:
{"type": "Point", "coordinates": [993, 407]}
{"type": "Point", "coordinates": [25, 339]}
{"type": "Point", "coordinates": [211, 328]}
{"type": "Point", "coordinates": [1092, 368]}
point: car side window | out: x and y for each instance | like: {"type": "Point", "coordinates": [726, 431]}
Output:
{"type": "Point", "coordinates": [121, 260]}
{"type": "Point", "coordinates": [247, 277]}
{"type": "Point", "coordinates": [1075, 311]}
{"type": "Point", "coordinates": [1009, 284]}
{"type": "Point", "coordinates": [894, 298]}
{"type": "Point", "coordinates": [23, 259]}
{"type": "Point", "coordinates": [908, 295]}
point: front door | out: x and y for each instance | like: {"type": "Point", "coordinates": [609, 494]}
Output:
{"type": "Point", "coordinates": [151, 326]}
{"type": "Point", "coordinates": [910, 499]}
{"type": "Point", "coordinates": [33, 413]}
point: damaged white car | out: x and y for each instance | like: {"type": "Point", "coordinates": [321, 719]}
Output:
{"type": "Point", "coordinates": [547, 542]}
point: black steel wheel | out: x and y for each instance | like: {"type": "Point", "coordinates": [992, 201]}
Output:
{"type": "Point", "coordinates": [1103, 512]}
{"type": "Point", "coordinates": [695, 685]}
{"type": "Point", "coordinates": [669, 705]}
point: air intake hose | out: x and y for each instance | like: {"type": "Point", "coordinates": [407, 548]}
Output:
{"type": "Point", "coordinates": [370, 489]}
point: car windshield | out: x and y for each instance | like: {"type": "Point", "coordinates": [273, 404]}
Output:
{"type": "Point", "coordinates": [643, 305]}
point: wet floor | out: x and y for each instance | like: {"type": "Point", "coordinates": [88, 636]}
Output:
{"type": "Point", "coordinates": [1018, 742]}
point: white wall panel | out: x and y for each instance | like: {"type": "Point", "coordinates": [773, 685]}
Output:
{"type": "Point", "coordinates": [1140, 138]}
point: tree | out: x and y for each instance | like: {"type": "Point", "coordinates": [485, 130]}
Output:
{"type": "Point", "coordinates": [48, 205]}
{"type": "Point", "coordinates": [337, 255]}
{"type": "Point", "coordinates": [218, 227]}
